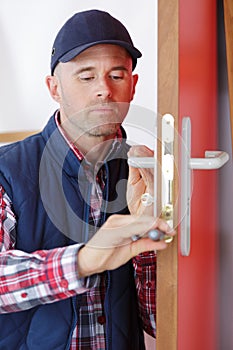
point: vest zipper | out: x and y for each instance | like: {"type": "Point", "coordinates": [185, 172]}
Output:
{"type": "Point", "coordinates": [107, 309]}
{"type": "Point", "coordinates": [75, 299]}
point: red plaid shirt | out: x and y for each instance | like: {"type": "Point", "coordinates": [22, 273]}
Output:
{"type": "Point", "coordinates": [27, 280]}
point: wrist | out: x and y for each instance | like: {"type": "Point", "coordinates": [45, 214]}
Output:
{"type": "Point", "coordinates": [85, 266]}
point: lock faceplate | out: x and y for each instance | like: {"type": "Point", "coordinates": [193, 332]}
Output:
{"type": "Point", "coordinates": [167, 135]}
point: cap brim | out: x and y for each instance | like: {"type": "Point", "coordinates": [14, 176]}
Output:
{"type": "Point", "coordinates": [135, 53]}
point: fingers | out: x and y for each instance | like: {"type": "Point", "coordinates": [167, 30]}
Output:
{"type": "Point", "coordinates": [136, 174]}
{"type": "Point", "coordinates": [140, 181]}
{"type": "Point", "coordinates": [140, 151]}
{"type": "Point", "coordinates": [164, 226]}
{"type": "Point", "coordinates": [126, 226]}
{"type": "Point", "coordinates": [146, 244]}
{"type": "Point", "coordinates": [112, 245]}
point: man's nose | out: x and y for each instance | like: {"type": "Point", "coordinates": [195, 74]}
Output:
{"type": "Point", "coordinates": [104, 88]}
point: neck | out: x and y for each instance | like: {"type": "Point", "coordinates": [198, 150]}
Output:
{"type": "Point", "coordinates": [94, 148]}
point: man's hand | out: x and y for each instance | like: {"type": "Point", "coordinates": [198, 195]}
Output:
{"type": "Point", "coordinates": [140, 181]}
{"type": "Point", "coordinates": [112, 245]}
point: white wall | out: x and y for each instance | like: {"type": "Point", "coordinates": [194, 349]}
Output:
{"type": "Point", "coordinates": [27, 32]}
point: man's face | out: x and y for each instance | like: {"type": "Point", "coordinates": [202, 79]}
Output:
{"type": "Point", "coordinates": [94, 90]}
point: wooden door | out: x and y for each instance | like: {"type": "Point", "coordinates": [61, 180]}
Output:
{"type": "Point", "coordinates": [187, 74]}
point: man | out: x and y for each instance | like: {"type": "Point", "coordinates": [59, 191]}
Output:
{"type": "Point", "coordinates": [68, 260]}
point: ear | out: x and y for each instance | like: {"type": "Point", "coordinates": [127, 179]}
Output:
{"type": "Point", "coordinates": [135, 80]}
{"type": "Point", "coordinates": [52, 83]}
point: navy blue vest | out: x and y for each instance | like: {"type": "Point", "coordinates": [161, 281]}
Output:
{"type": "Point", "coordinates": [50, 196]}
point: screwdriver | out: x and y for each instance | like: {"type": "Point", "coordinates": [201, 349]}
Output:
{"type": "Point", "coordinates": [155, 235]}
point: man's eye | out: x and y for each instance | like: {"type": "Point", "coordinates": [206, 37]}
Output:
{"type": "Point", "coordinates": [117, 76]}
{"type": "Point", "coordinates": [86, 77]}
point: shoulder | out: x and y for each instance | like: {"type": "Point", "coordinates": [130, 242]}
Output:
{"type": "Point", "coordinates": [24, 150]}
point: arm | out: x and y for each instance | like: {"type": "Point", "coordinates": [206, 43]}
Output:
{"type": "Point", "coordinates": [112, 245]}
{"type": "Point", "coordinates": [27, 280]}
{"type": "Point", "coordinates": [108, 249]}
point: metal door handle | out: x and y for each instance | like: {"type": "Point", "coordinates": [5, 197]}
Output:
{"type": "Point", "coordinates": [212, 160]}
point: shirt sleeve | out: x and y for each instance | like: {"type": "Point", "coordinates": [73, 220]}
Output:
{"type": "Point", "coordinates": [44, 276]}
{"type": "Point", "coordinates": [145, 278]}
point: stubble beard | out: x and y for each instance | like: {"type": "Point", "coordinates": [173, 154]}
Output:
{"type": "Point", "coordinates": [92, 122]}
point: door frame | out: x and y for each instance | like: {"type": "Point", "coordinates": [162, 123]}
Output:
{"type": "Point", "coordinates": [168, 102]}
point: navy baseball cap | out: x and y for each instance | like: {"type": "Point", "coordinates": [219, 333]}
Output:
{"type": "Point", "coordinates": [89, 28]}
